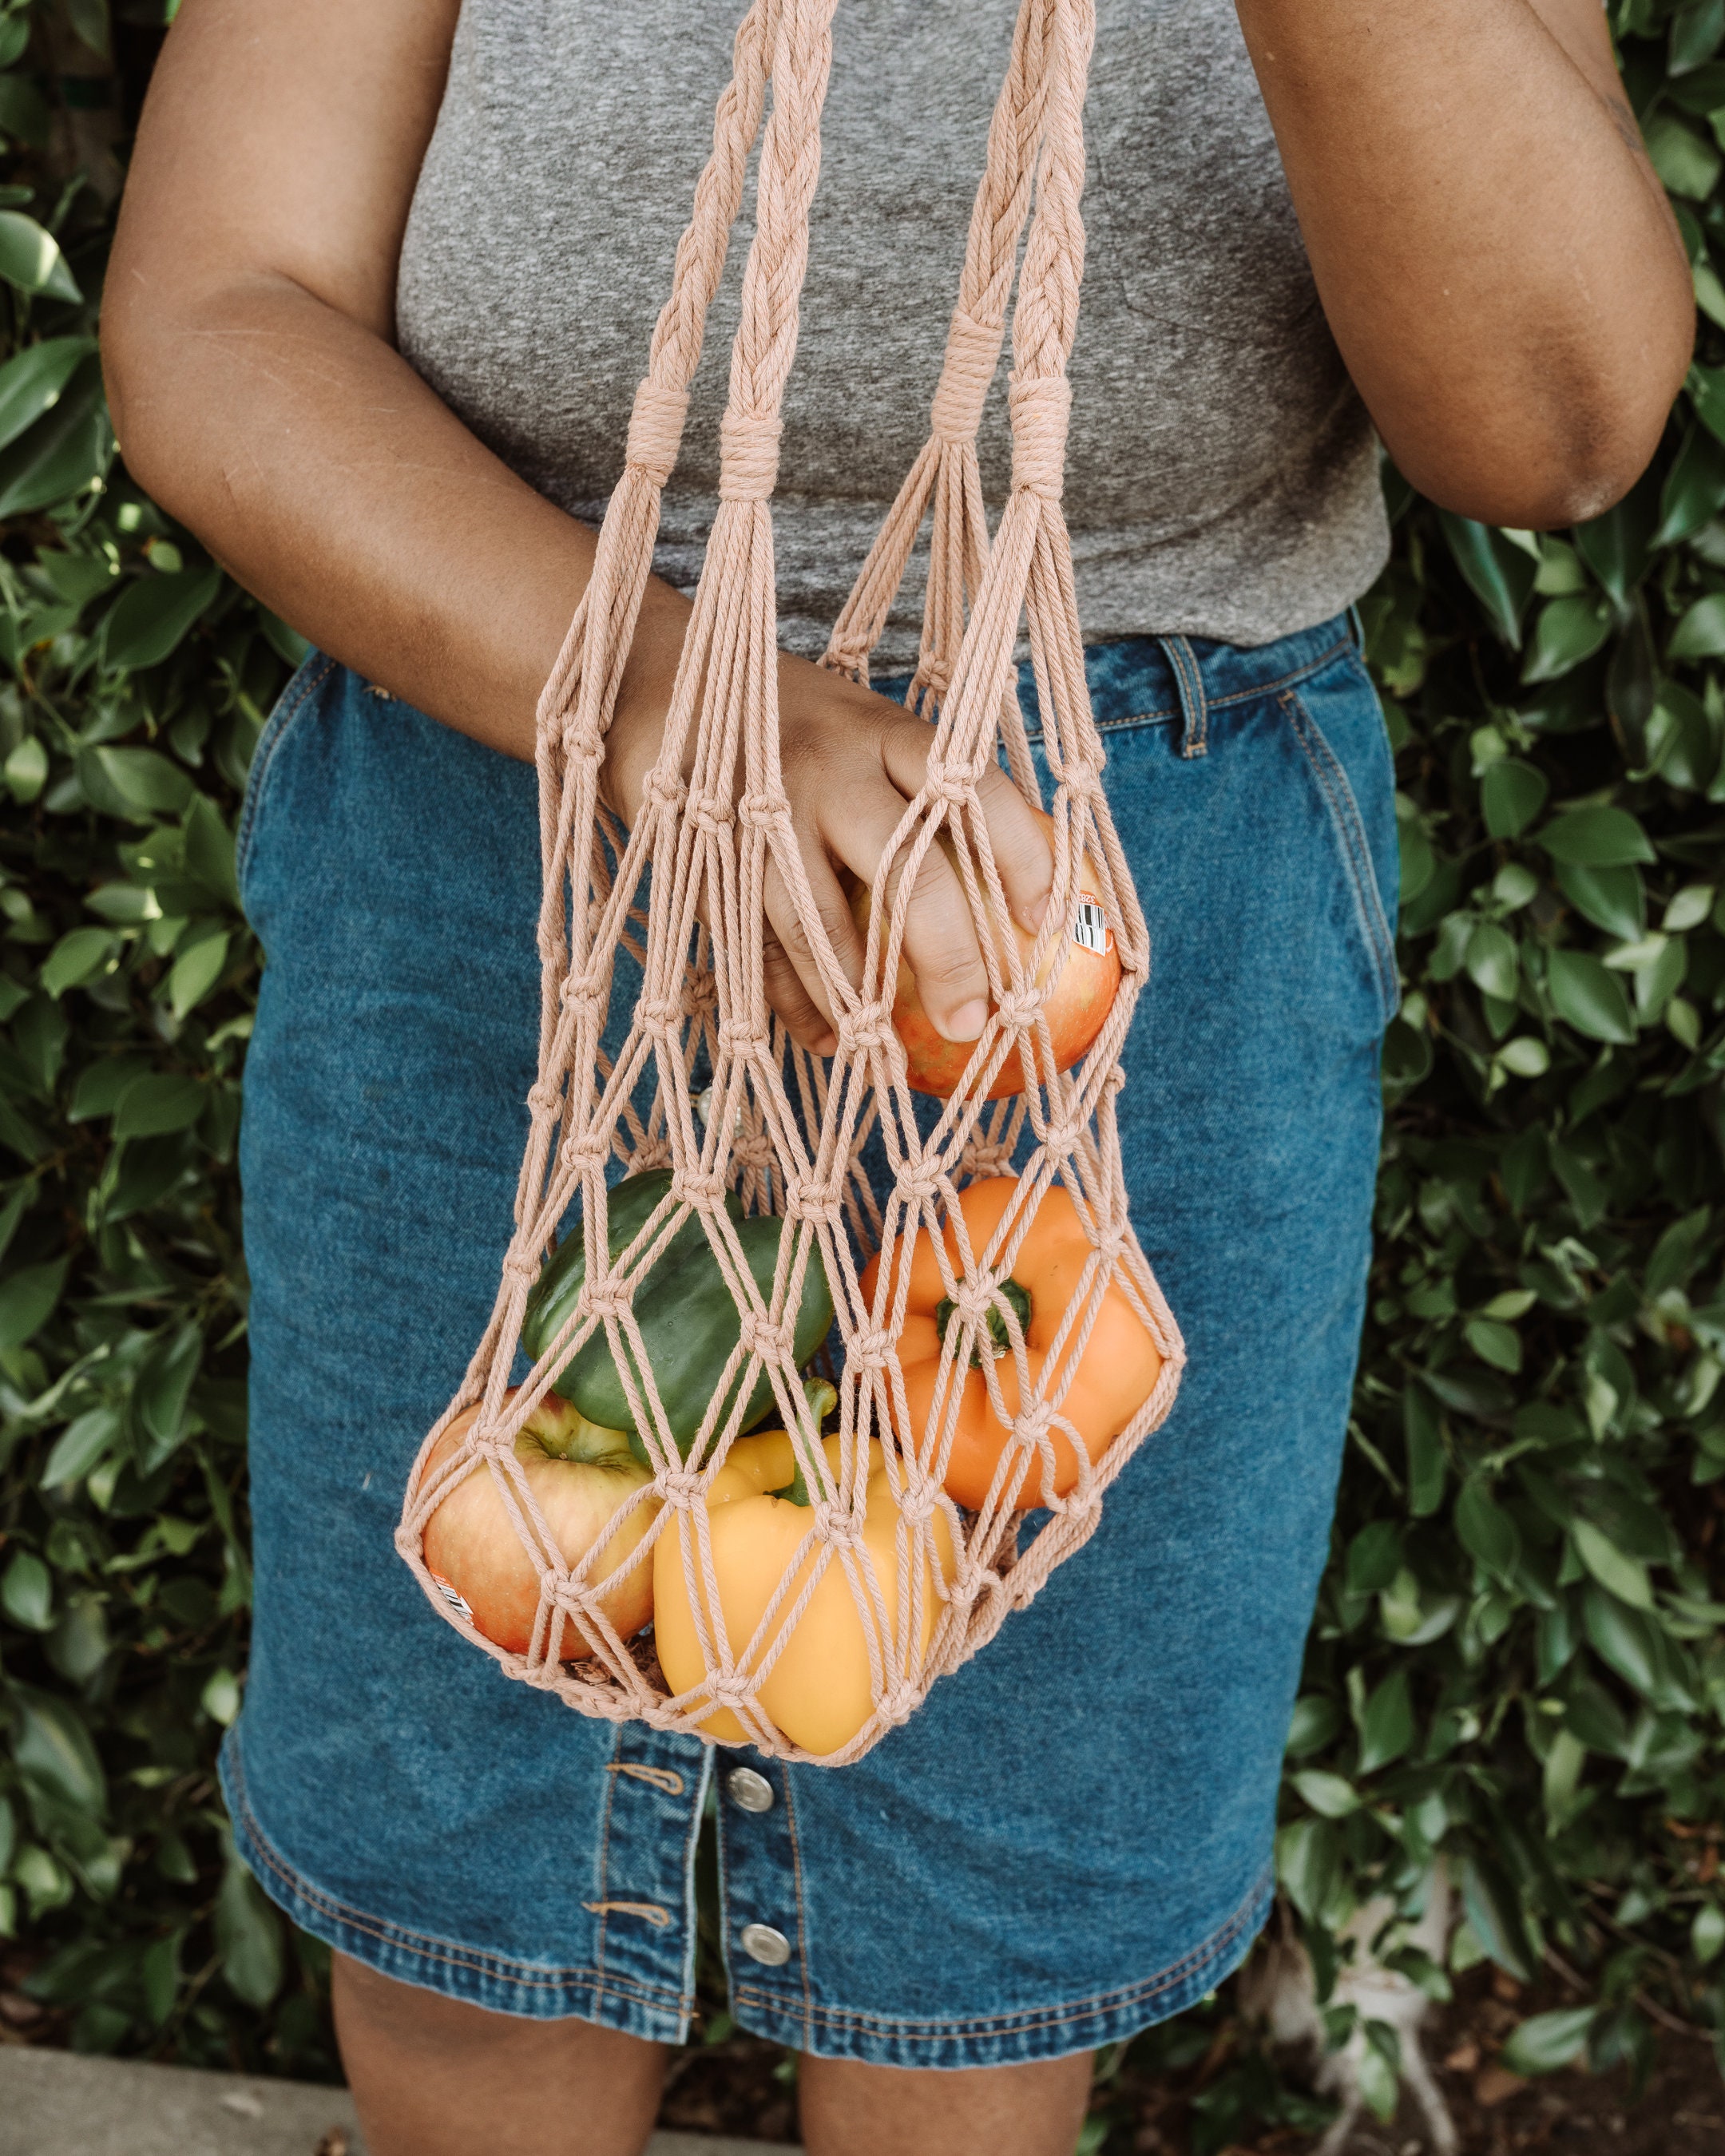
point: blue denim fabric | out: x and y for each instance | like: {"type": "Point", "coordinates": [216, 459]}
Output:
{"type": "Point", "coordinates": [1072, 1838]}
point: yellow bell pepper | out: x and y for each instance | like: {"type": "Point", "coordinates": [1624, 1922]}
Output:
{"type": "Point", "coordinates": [818, 1691]}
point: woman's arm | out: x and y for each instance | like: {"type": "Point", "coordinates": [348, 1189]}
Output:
{"type": "Point", "coordinates": [246, 333]}
{"type": "Point", "coordinates": [1493, 250]}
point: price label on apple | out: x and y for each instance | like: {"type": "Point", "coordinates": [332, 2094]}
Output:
{"type": "Point", "coordinates": [1089, 930]}
{"type": "Point", "coordinates": [452, 1595]}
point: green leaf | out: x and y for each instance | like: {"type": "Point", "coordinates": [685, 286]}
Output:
{"type": "Point", "coordinates": [66, 450]}
{"type": "Point", "coordinates": [1616, 546]}
{"type": "Point", "coordinates": [163, 1389]}
{"type": "Point", "coordinates": [160, 1102]}
{"type": "Point", "coordinates": [1500, 573]}
{"type": "Point", "coordinates": [1494, 1911]}
{"type": "Point", "coordinates": [1491, 961]}
{"type": "Point", "coordinates": [1567, 631]}
{"type": "Point", "coordinates": [27, 1592]}
{"type": "Point", "coordinates": [152, 615]}
{"type": "Point", "coordinates": [1387, 1726]}
{"type": "Point", "coordinates": [31, 380]}
{"type": "Point", "coordinates": [1624, 1641]}
{"type": "Point", "coordinates": [79, 956]}
{"type": "Point", "coordinates": [196, 972]}
{"type": "Point", "coordinates": [1499, 1345]}
{"type": "Point", "coordinates": [1694, 488]}
{"type": "Point", "coordinates": [1696, 28]}
{"type": "Point", "coordinates": [1423, 1428]}
{"type": "Point", "coordinates": [1686, 162]}
{"type": "Point", "coordinates": [30, 258]}
{"type": "Point", "coordinates": [80, 1446]}
{"type": "Point", "coordinates": [1587, 996]}
{"type": "Point", "coordinates": [139, 783]}
{"type": "Point", "coordinates": [1511, 794]}
{"type": "Point", "coordinates": [27, 1298]}
{"type": "Point", "coordinates": [209, 849]}
{"type": "Point", "coordinates": [1329, 1795]}
{"type": "Point", "coordinates": [52, 1751]}
{"type": "Point", "coordinates": [1612, 899]}
{"type": "Point", "coordinates": [1486, 1531]}
{"type": "Point", "coordinates": [1308, 1859]}
{"type": "Point", "coordinates": [1548, 2042]}
{"type": "Point", "coordinates": [1707, 1934]}
{"type": "Point", "coordinates": [1316, 1722]}
{"type": "Point", "coordinates": [1618, 1574]}
{"type": "Point", "coordinates": [1701, 632]}
{"type": "Point", "coordinates": [1596, 838]}
{"type": "Point", "coordinates": [248, 1937]}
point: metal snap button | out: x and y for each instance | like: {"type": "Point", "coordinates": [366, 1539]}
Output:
{"type": "Point", "coordinates": [747, 1790]}
{"type": "Point", "coordinates": [762, 1943]}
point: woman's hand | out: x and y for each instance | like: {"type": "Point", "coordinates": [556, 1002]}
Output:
{"type": "Point", "coordinates": [851, 760]}
{"type": "Point", "coordinates": [246, 332]}
{"type": "Point", "coordinates": [1494, 252]}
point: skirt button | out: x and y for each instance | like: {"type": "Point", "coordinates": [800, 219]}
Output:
{"type": "Point", "coordinates": [747, 1790]}
{"type": "Point", "coordinates": [762, 1943]}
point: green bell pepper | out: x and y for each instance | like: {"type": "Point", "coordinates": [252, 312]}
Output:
{"type": "Point", "coordinates": [689, 1323]}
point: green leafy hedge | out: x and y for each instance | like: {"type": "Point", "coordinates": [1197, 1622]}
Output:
{"type": "Point", "coordinates": [1518, 1664]}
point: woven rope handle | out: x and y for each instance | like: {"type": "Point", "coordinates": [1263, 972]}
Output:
{"type": "Point", "coordinates": [947, 469]}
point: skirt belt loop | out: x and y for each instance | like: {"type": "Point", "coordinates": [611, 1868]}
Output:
{"type": "Point", "coordinates": [1194, 711]}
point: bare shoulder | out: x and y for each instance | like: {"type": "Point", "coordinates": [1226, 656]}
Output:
{"type": "Point", "coordinates": [281, 138]}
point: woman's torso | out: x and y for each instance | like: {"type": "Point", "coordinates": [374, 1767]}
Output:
{"type": "Point", "coordinates": [1222, 475]}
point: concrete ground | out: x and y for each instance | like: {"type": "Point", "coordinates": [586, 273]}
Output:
{"type": "Point", "coordinates": [52, 2103]}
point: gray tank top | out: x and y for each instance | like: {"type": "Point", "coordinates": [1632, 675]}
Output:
{"type": "Point", "coordinates": [1222, 473]}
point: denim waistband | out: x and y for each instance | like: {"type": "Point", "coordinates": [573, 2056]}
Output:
{"type": "Point", "coordinates": [1148, 681]}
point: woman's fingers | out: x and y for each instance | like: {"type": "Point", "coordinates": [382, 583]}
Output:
{"type": "Point", "coordinates": [790, 970]}
{"type": "Point", "coordinates": [1015, 837]}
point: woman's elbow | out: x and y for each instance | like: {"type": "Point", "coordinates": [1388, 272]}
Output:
{"type": "Point", "coordinates": [1566, 448]}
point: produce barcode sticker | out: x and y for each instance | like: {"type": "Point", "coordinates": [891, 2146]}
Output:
{"type": "Point", "coordinates": [1089, 930]}
{"type": "Point", "coordinates": [452, 1595]}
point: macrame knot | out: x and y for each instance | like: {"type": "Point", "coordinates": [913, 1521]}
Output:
{"type": "Point", "coordinates": [988, 1156]}
{"type": "Point", "coordinates": [1031, 1425]}
{"type": "Point", "coordinates": [658, 1013]}
{"type": "Point", "coordinates": [972, 354]}
{"type": "Point", "coordinates": [744, 1038]}
{"type": "Point", "coordinates": [542, 1100]}
{"type": "Point", "coordinates": [518, 1265]}
{"type": "Point", "coordinates": [762, 812]}
{"type": "Point", "coordinates": [748, 457]}
{"type": "Point", "coordinates": [863, 1029]}
{"type": "Point", "coordinates": [869, 1351]}
{"type": "Point", "coordinates": [730, 1689]}
{"type": "Point", "coordinates": [1039, 410]}
{"type": "Point", "coordinates": [838, 1526]}
{"type": "Point", "coordinates": [583, 1150]}
{"type": "Point", "coordinates": [1018, 1007]}
{"type": "Point", "coordinates": [663, 789]}
{"type": "Point", "coordinates": [680, 1487]}
{"type": "Point", "coordinates": [710, 813]}
{"type": "Point", "coordinates": [609, 1298]}
{"type": "Point", "coordinates": [582, 742]}
{"type": "Point", "coordinates": [773, 1343]}
{"type": "Point", "coordinates": [942, 783]}
{"type": "Point", "coordinates": [655, 429]}
{"type": "Point", "coordinates": [701, 1188]}
{"type": "Point", "coordinates": [807, 1198]}
{"type": "Point", "coordinates": [900, 1702]}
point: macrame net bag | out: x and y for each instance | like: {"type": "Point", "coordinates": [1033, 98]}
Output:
{"type": "Point", "coordinates": [924, 1581]}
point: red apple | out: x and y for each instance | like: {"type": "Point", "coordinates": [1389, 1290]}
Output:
{"type": "Point", "coordinates": [1080, 1002]}
{"type": "Point", "coordinates": [580, 1475]}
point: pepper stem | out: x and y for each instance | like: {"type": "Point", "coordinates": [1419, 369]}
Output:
{"type": "Point", "coordinates": [946, 1313]}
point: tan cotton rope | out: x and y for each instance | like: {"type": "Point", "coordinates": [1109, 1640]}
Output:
{"type": "Point", "coordinates": [681, 890]}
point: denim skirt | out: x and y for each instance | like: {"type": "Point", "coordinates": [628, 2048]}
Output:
{"type": "Point", "coordinates": [1071, 1838]}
